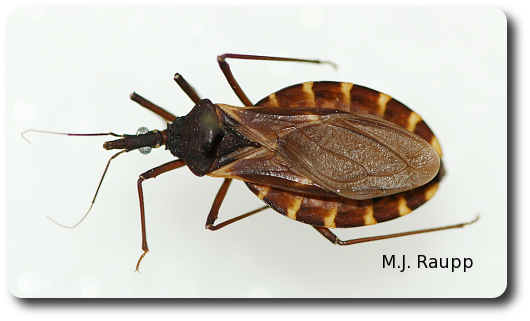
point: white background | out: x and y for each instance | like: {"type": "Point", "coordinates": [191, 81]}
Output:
{"type": "Point", "coordinates": [72, 70]}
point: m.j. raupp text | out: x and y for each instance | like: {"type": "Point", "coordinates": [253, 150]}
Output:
{"type": "Point", "coordinates": [424, 262]}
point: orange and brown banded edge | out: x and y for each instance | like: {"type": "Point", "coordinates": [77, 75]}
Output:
{"type": "Point", "coordinates": [353, 99]}
{"type": "Point", "coordinates": [340, 212]}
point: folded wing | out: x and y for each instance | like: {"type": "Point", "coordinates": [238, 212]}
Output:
{"type": "Point", "coordinates": [359, 156]}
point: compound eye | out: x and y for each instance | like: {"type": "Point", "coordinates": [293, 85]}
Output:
{"type": "Point", "coordinates": [146, 149]}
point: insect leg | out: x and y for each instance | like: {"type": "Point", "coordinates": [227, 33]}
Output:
{"type": "Point", "coordinates": [214, 211]}
{"type": "Point", "coordinates": [187, 88]}
{"type": "Point", "coordinates": [232, 81]}
{"type": "Point", "coordinates": [152, 173]}
{"type": "Point", "coordinates": [335, 240]}
{"type": "Point", "coordinates": [152, 107]}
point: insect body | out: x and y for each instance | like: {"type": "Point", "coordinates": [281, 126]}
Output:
{"type": "Point", "coordinates": [328, 154]}
{"type": "Point", "coordinates": [384, 165]}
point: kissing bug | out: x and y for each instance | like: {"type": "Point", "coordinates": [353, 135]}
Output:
{"type": "Point", "coordinates": [328, 154]}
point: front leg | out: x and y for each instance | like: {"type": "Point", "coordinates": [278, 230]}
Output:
{"type": "Point", "coordinates": [152, 173]}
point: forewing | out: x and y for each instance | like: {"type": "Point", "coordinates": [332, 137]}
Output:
{"type": "Point", "coordinates": [264, 166]}
{"type": "Point", "coordinates": [358, 156]}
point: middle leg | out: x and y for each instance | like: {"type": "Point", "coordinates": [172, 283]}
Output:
{"type": "Point", "coordinates": [214, 211]}
{"type": "Point", "coordinates": [232, 81]}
